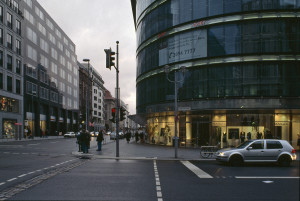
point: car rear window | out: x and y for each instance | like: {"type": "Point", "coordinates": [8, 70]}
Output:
{"type": "Point", "coordinates": [274, 145]}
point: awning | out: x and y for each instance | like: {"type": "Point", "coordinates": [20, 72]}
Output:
{"type": "Point", "coordinates": [139, 119]}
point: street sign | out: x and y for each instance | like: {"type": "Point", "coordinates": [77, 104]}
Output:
{"type": "Point", "coordinates": [184, 108]}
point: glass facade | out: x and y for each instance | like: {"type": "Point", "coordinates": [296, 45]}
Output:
{"type": "Point", "coordinates": [242, 78]}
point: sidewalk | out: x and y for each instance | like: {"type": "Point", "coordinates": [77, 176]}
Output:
{"type": "Point", "coordinates": [34, 139]}
{"type": "Point", "coordinates": [134, 151]}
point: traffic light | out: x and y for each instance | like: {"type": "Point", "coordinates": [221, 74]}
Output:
{"type": "Point", "coordinates": [113, 114]}
{"type": "Point", "coordinates": [122, 114]}
{"type": "Point", "coordinates": [109, 58]}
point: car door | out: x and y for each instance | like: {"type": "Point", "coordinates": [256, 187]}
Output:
{"type": "Point", "coordinates": [255, 151]}
{"type": "Point", "coordinates": [273, 149]}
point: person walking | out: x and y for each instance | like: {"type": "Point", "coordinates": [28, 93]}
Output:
{"type": "Point", "coordinates": [85, 140]}
{"type": "Point", "coordinates": [99, 140]}
{"type": "Point", "coordinates": [136, 136]}
{"type": "Point", "coordinates": [79, 142]}
{"type": "Point", "coordinates": [128, 136]}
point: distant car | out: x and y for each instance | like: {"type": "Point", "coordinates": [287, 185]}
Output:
{"type": "Point", "coordinates": [92, 133]}
{"type": "Point", "coordinates": [267, 150]}
{"type": "Point", "coordinates": [69, 134]}
{"type": "Point", "coordinates": [108, 133]}
{"type": "Point", "coordinates": [96, 134]}
{"type": "Point", "coordinates": [113, 135]}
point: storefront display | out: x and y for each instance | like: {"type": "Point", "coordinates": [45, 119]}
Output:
{"type": "Point", "coordinates": [9, 105]}
{"type": "Point", "coordinates": [9, 128]}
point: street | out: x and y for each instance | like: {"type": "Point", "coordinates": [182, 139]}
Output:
{"type": "Point", "coordinates": [49, 170]}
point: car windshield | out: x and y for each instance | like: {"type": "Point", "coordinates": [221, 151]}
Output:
{"type": "Point", "coordinates": [243, 145]}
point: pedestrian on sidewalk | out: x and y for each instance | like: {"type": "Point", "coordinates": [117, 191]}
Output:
{"type": "Point", "coordinates": [99, 140]}
{"type": "Point", "coordinates": [128, 136]}
{"type": "Point", "coordinates": [78, 136]}
{"type": "Point", "coordinates": [136, 136]}
{"type": "Point", "coordinates": [85, 139]}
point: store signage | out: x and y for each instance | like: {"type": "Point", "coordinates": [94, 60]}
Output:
{"type": "Point", "coordinates": [52, 118]}
{"type": "Point", "coordinates": [61, 119]}
{"type": "Point", "coordinates": [216, 123]}
{"type": "Point", "coordinates": [281, 123]}
{"type": "Point", "coordinates": [184, 108]}
{"type": "Point", "coordinates": [184, 46]}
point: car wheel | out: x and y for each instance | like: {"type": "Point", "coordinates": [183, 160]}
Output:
{"type": "Point", "coordinates": [284, 161]}
{"type": "Point", "coordinates": [236, 161]}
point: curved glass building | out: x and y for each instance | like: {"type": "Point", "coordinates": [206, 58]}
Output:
{"type": "Point", "coordinates": [242, 70]}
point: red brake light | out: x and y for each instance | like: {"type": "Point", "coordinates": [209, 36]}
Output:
{"type": "Point", "coordinates": [294, 151]}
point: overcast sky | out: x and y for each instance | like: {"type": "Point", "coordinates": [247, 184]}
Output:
{"type": "Point", "coordinates": [95, 25]}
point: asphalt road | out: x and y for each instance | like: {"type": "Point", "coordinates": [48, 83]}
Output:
{"type": "Point", "coordinates": [47, 170]}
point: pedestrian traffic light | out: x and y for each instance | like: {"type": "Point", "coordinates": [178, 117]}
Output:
{"type": "Point", "coordinates": [113, 114]}
{"type": "Point", "coordinates": [122, 114]}
{"type": "Point", "coordinates": [109, 58]}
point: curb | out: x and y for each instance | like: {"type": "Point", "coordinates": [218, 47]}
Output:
{"type": "Point", "coordinates": [82, 155]}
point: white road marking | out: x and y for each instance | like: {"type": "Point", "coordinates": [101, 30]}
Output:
{"type": "Point", "coordinates": [12, 179]}
{"type": "Point", "coordinates": [157, 182]}
{"type": "Point", "coordinates": [2, 183]}
{"type": "Point", "coordinates": [23, 175]}
{"type": "Point", "coordinates": [266, 177]}
{"type": "Point", "coordinates": [268, 182]}
{"type": "Point", "coordinates": [33, 144]}
{"type": "Point", "coordinates": [200, 173]}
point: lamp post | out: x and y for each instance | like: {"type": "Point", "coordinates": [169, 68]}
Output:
{"type": "Point", "coordinates": [176, 81]}
{"type": "Point", "coordinates": [87, 97]}
{"type": "Point", "coordinates": [33, 94]}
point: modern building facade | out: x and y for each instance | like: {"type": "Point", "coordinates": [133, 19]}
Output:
{"type": "Point", "coordinates": [51, 95]}
{"type": "Point", "coordinates": [11, 72]}
{"type": "Point", "coordinates": [242, 69]}
{"type": "Point", "coordinates": [109, 104]}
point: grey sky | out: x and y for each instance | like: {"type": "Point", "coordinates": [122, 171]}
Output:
{"type": "Point", "coordinates": [95, 25]}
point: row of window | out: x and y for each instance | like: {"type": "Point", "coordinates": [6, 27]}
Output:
{"type": "Point", "coordinates": [12, 85]}
{"type": "Point", "coordinates": [99, 113]}
{"type": "Point", "coordinates": [32, 36]}
{"type": "Point", "coordinates": [281, 79]}
{"type": "Point", "coordinates": [249, 37]}
{"type": "Point", "coordinates": [43, 29]}
{"type": "Point", "coordinates": [175, 12]}
{"type": "Point", "coordinates": [9, 21]}
{"type": "Point", "coordinates": [13, 66]}
{"type": "Point", "coordinates": [47, 94]}
{"type": "Point", "coordinates": [9, 42]}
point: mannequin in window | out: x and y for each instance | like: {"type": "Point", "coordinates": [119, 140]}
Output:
{"type": "Point", "coordinates": [249, 136]}
{"type": "Point", "coordinates": [242, 136]}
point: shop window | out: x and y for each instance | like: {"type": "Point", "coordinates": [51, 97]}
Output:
{"type": "Point", "coordinates": [9, 105]}
{"type": "Point", "coordinates": [9, 128]}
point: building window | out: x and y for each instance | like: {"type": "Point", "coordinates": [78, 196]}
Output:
{"type": "Point", "coordinates": [95, 105]}
{"type": "Point", "coordinates": [1, 58]}
{"type": "Point", "coordinates": [18, 66]}
{"type": "Point", "coordinates": [9, 41]}
{"type": "Point", "coordinates": [95, 112]}
{"type": "Point", "coordinates": [18, 27]}
{"type": "Point", "coordinates": [9, 20]}
{"type": "Point", "coordinates": [1, 80]}
{"type": "Point", "coordinates": [9, 62]}
{"type": "Point", "coordinates": [95, 98]}
{"type": "Point", "coordinates": [18, 47]}
{"type": "Point", "coordinates": [1, 36]}
{"type": "Point", "coordinates": [31, 53]}
{"type": "Point", "coordinates": [99, 114]}
{"type": "Point", "coordinates": [18, 86]}
{"type": "Point", "coordinates": [1, 13]}
{"type": "Point", "coordinates": [9, 84]}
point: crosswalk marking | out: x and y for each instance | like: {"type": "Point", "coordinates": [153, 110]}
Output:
{"type": "Point", "coordinates": [200, 173]}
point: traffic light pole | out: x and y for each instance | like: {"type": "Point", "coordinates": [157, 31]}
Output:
{"type": "Point", "coordinates": [117, 102]}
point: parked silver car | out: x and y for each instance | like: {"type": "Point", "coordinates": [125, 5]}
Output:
{"type": "Point", "coordinates": [267, 150]}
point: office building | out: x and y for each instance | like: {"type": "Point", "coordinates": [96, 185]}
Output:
{"type": "Point", "coordinates": [242, 70]}
{"type": "Point", "coordinates": [51, 100]}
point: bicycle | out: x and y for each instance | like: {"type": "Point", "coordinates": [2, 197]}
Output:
{"type": "Point", "coordinates": [208, 151]}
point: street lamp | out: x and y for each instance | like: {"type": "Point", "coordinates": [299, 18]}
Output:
{"type": "Point", "coordinates": [176, 81]}
{"type": "Point", "coordinates": [87, 97]}
{"type": "Point", "coordinates": [33, 94]}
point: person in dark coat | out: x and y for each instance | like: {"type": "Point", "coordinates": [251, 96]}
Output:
{"type": "Point", "coordinates": [136, 137]}
{"type": "Point", "coordinates": [79, 142]}
{"type": "Point", "coordinates": [85, 140]}
{"type": "Point", "coordinates": [128, 136]}
{"type": "Point", "coordinates": [99, 140]}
